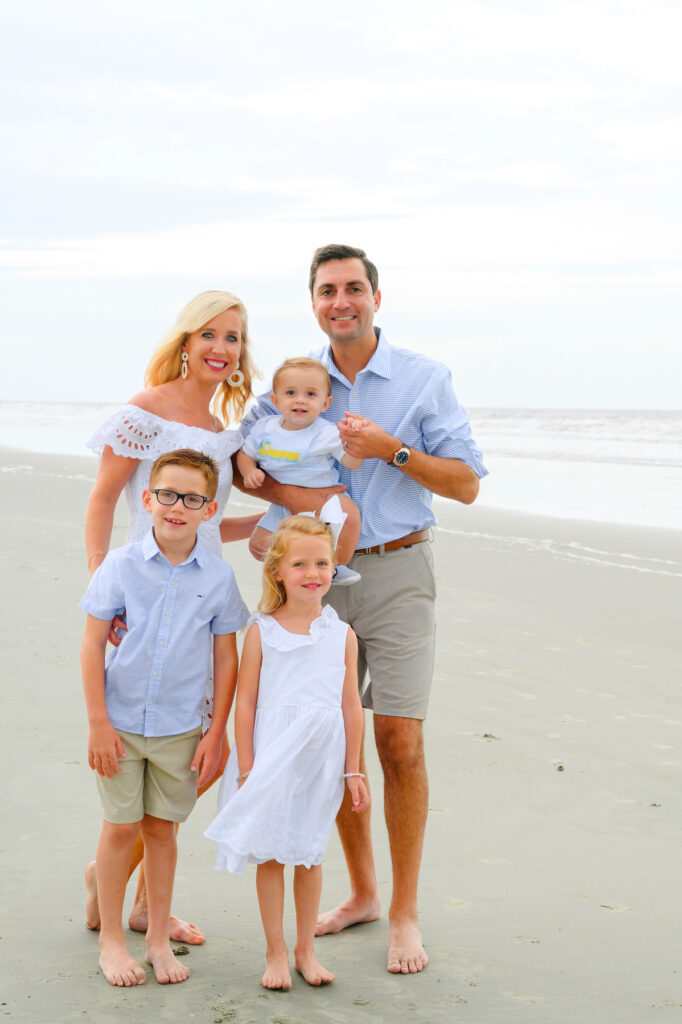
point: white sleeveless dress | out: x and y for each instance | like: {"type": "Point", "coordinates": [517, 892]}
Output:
{"type": "Point", "coordinates": [137, 434]}
{"type": "Point", "coordinates": [286, 808]}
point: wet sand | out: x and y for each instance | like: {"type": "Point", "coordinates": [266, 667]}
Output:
{"type": "Point", "coordinates": [549, 887]}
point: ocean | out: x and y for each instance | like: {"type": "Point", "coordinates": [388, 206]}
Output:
{"type": "Point", "coordinates": [621, 466]}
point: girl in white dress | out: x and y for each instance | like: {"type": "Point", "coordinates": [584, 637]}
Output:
{"type": "Point", "coordinates": [298, 728]}
{"type": "Point", "coordinates": [198, 378]}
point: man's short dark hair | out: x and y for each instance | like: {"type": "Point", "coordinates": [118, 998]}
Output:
{"type": "Point", "coordinates": [343, 252]}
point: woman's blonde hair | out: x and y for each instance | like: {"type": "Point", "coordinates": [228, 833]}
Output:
{"type": "Point", "coordinates": [274, 594]}
{"type": "Point", "coordinates": [166, 362]}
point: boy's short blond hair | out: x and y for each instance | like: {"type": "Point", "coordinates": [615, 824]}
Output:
{"type": "Point", "coordinates": [302, 363]}
{"type": "Point", "coordinates": [190, 460]}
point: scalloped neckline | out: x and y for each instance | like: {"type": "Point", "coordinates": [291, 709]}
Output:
{"type": "Point", "coordinates": [187, 426]}
{"type": "Point", "coordinates": [289, 632]}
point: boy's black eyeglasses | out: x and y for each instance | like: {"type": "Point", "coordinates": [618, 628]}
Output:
{"type": "Point", "coordinates": [191, 501]}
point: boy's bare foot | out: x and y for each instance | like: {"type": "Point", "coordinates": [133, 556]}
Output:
{"type": "Point", "coordinates": [406, 955]}
{"type": "Point", "coordinates": [167, 968]}
{"type": "Point", "coordinates": [277, 974]}
{"type": "Point", "coordinates": [353, 911]}
{"type": "Point", "coordinates": [91, 901]}
{"type": "Point", "coordinates": [311, 970]}
{"type": "Point", "coordinates": [119, 968]}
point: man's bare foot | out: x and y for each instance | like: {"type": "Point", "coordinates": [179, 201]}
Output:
{"type": "Point", "coordinates": [311, 970]}
{"type": "Point", "coordinates": [167, 968]}
{"type": "Point", "coordinates": [277, 974]}
{"type": "Point", "coordinates": [353, 911]}
{"type": "Point", "coordinates": [178, 930]}
{"type": "Point", "coordinates": [91, 901]}
{"type": "Point", "coordinates": [119, 968]}
{"type": "Point", "coordinates": [406, 955]}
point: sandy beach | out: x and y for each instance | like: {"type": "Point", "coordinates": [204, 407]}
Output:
{"type": "Point", "coordinates": [549, 886]}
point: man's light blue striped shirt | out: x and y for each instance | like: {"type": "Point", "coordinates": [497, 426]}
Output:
{"type": "Point", "coordinates": [412, 398]}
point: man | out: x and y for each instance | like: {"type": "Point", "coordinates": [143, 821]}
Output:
{"type": "Point", "coordinates": [416, 442]}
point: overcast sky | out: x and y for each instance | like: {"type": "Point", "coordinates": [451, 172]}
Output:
{"type": "Point", "coordinates": [513, 168]}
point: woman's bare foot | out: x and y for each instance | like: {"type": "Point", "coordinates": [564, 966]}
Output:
{"type": "Point", "coordinates": [311, 970]}
{"type": "Point", "coordinates": [178, 930]}
{"type": "Point", "coordinates": [167, 968]}
{"type": "Point", "coordinates": [91, 901]}
{"type": "Point", "coordinates": [406, 955]}
{"type": "Point", "coordinates": [277, 974]}
{"type": "Point", "coordinates": [353, 911]}
{"type": "Point", "coordinates": [119, 968]}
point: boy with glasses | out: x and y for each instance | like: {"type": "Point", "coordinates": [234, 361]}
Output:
{"type": "Point", "coordinates": [144, 706]}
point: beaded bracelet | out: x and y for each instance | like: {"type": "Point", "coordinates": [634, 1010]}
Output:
{"type": "Point", "coordinates": [352, 775]}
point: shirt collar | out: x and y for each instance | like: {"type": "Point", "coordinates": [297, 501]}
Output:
{"type": "Point", "coordinates": [150, 549]}
{"type": "Point", "coordinates": [379, 364]}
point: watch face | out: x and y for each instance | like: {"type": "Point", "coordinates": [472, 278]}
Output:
{"type": "Point", "coordinates": [401, 457]}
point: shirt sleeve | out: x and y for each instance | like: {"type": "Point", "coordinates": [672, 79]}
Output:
{"type": "Point", "coordinates": [104, 597]}
{"type": "Point", "coordinates": [252, 441]}
{"type": "Point", "coordinates": [261, 407]}
{"type": "Point", "coordinates": [233, 613]}
{"type": "Point", "coordinates": [327, 440]}
{"type": "Point", "coordinates": [445, 425]}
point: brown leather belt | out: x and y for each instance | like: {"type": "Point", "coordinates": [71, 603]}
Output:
{"type": "Point", "coordinates": [392, 545]}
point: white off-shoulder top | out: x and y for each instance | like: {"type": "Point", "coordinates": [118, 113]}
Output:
{"type": "Point", "coordinates": [138, 434]}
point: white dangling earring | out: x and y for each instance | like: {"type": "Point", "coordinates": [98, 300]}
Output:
{"type": "Point", "coordinates": [236, 378]}
{"type": "Point", "coordinates": [183, 369]}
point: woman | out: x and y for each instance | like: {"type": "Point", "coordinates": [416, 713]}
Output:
{"type": "Point", "coordinates": [203, 361]}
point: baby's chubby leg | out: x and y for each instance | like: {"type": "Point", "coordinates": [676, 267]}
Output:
{"type": "Point", "coordinates": [307, 890]}
{"type": "Point", "coordinates": [270, 888]}
{"type": "Point", "coordinates": [160, 858]}
{"type": "Point", "coordinates": [348, 538]}
{"type": "Point", "coordinates": [113, 855]}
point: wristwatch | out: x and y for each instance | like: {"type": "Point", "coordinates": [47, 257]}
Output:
{"type": "Point", "coordinates": [401, 457]}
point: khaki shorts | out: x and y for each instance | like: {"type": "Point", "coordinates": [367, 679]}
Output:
{"type": "Point", "coordinates": [153, 778]}
{"type": "Point", "coordinates": [392, 610]}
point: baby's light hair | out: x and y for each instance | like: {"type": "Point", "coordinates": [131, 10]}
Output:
{"type": "Point", "coordinates": [274, 594]}
{"type": "Point", "coordinates": [189, 460]}
{"type": "Point", "coordinates": [302, 363]}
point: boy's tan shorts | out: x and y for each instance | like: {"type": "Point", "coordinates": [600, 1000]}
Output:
{"type": "Point", "coordinates": [392, 610]}
{"type": "Point", "coordinates": [153, 778]}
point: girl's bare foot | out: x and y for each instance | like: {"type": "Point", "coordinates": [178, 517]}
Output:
{"type": "Point", "coordinates": [91, 901]}
{"type": "Point", "coordinates": [119, 968]}
{"type": "Point", "coordinates": [406, 955]}
{"type": "Point", "coordinates": [311, 970]}
{"type": "Point", "coordinates": [277, 974]}
{"type": "Point", "coordinates": [167, 968]}
{"type": "Point", "coordinates": [353, 911]}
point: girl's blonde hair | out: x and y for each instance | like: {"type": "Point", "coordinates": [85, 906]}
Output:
{"type": "Point", "coordinates": [166, 362]}
{"type": "Point", "coordinates": [274, 594]}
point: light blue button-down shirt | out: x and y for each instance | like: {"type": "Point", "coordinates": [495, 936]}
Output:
{"type": "Point", "coordinates": [412, 398]}
{"type": "Point", "coordinates": [155, 681]}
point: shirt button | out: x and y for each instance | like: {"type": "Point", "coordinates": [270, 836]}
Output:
{"type": "Point", "coordinates": [149, 703]}
{"type": "Point", "coordinates": [161, 643]}
{"type": "Point", "coordinates": [156, 673]}
{"type": "Point", "coordinates": [166, 614]}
